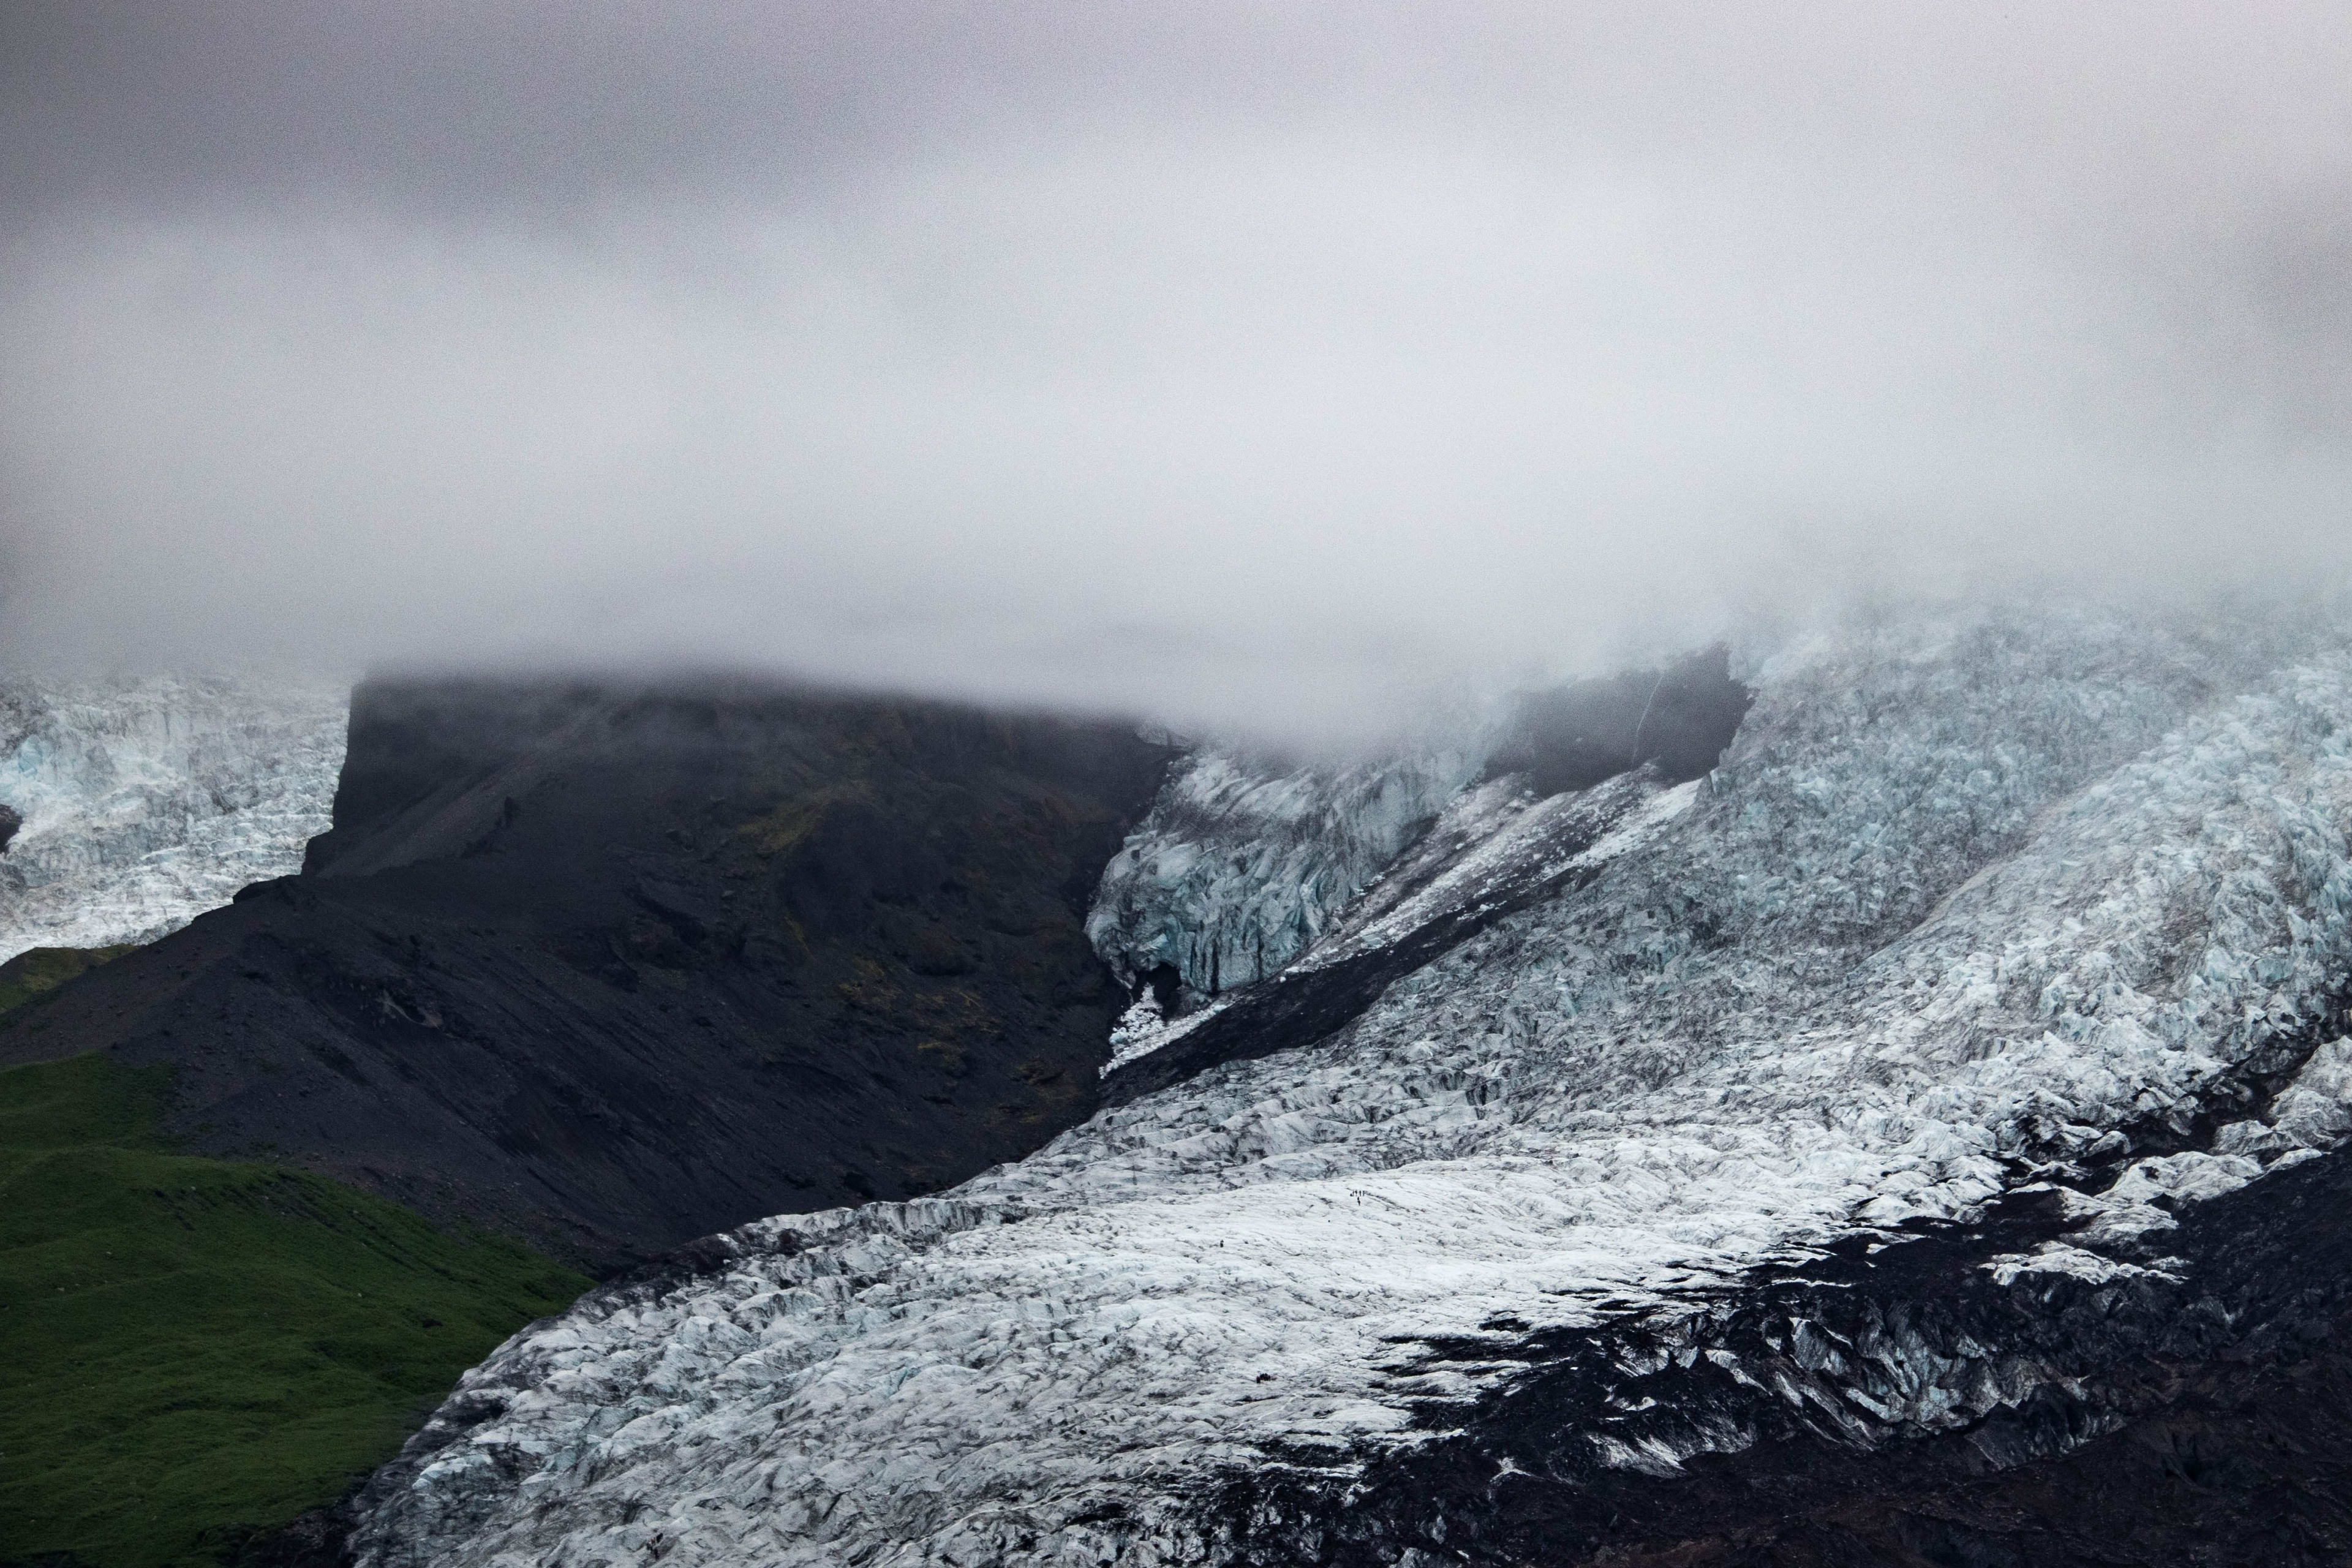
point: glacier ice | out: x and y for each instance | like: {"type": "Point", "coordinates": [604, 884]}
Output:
{"type": "Point", "coordinates": [144, 802]}
{"type": "Point", "coordinates": [1238, 869]}
{"type": "Point", "coordinates": [1970, 903]}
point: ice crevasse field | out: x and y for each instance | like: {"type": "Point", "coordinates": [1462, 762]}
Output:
{"type": "Point", "coordinates": [140, 804]}
{"type": "Point", "coordinates": [1970, 900]}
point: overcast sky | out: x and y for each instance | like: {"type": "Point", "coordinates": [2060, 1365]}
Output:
{"type": "Point", "coordinates": [1272, 364]}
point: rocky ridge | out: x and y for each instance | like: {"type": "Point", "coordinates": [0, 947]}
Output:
{"type": "Point", "coordinates": [606, 967]}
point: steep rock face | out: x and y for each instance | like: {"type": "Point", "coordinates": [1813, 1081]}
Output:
{"type": "Point", "coordinates": [1855, 1105]}
{"type": "Point", "coordinates": [1675, 719]}
{"type": "Point", "coordinates": [128, 808]}
{"type": "Point", "coordinates": [612, 969]}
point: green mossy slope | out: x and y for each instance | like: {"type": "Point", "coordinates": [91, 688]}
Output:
{"type": "Point", "coordinates": [41, 968]}
{"type": "Point", "coordinates": [194, 1351]}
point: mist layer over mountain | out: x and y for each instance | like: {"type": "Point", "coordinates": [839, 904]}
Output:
{"type": "Point", "coordinates": [1251, 367]}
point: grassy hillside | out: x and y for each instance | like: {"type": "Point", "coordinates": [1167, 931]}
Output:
{"type": "Point", "coordinates": [31, 972]}
{"type": "Point", "coordinates": [192, 1350]}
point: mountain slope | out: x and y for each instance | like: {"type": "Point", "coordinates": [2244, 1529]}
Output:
{"type": "Point", "coordinates": [198, 1349]}
{"type": "Point", "coordinates": [1826, 1104]}
{"type": "Point", "coordinates": [608, 969]}
{"type": "Point", "coordinates": [41, 968]}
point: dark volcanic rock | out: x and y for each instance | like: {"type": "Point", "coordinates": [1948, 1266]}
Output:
{"type": "Point", "coordinates": [1678, 719]}
{"type": "Point", "coordinates": [612, 970]}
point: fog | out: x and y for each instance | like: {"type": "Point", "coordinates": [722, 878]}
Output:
{"type": "Point", "coordinates": [1278, 367]}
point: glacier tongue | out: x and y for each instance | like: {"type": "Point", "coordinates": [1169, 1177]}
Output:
{"type": "Point", "coordinates": [1964, 905]}
{"type": "Point", "coordinates": [145, 803]}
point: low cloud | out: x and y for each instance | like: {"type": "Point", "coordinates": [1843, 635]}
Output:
{"type": "Point", "coordinates": [1319, 392]}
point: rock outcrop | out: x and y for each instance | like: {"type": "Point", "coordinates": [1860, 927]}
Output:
{"type": "Point", "coordinates": [612, 969]}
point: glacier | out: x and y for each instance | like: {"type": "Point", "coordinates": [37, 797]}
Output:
{"type": "Point", "coordinates": [2027, 927]}
{"type": "Point", "coordinates": [141, 803]}
{"type": "Point", "coordinates": [1240, 865]}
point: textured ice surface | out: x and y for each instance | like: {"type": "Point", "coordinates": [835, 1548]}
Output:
{"type": "Point", "coordinates": [1238, 869]}
{"type": "Point", "coordinates": [1496, 848]}
{"type": "Point", "coordinates": [1961, 902]}
{"type": "Point", "coordinates": [146, 803]}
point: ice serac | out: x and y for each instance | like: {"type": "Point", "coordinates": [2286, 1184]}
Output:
{"type": "Point", "coordinates": [1891, 1098]}
{"type": "Point", "coordinates": [1241, 867]}
{"type": "Point", "coordinates": [1245, 871]}
{"type": "Point", "coordinates": [129, 807]}
{"type": "Point", "coordinates": [1497, 849]}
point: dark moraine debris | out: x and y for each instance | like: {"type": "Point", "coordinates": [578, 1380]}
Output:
{"type": "Point", "coordinates": [11, 824]}
{"type": "Point", "coordinates": [611, 968]}
{"type": "Point", "coordinates": [2198, 1411]}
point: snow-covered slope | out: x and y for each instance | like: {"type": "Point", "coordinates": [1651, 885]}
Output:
{"type": "Point", "coordinates": [1971, 909]}
{"type": "Point", "coordinates": [145, 803]}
